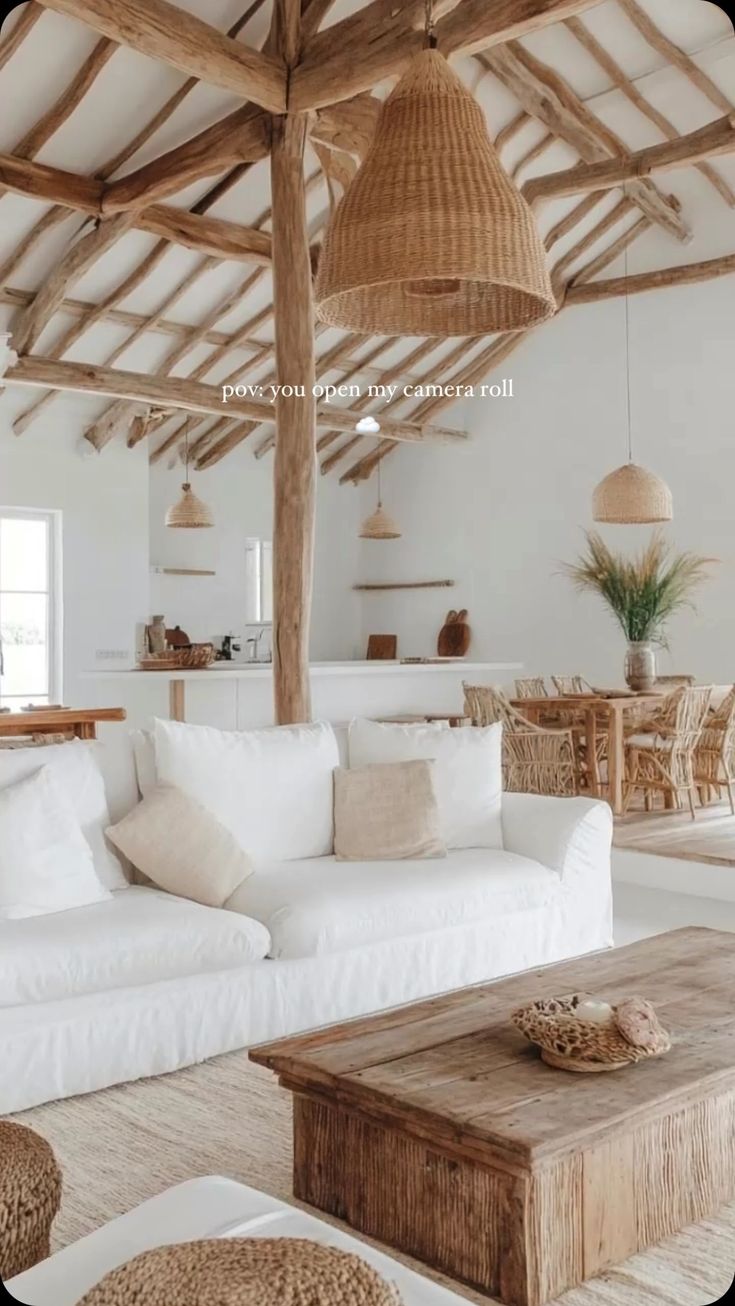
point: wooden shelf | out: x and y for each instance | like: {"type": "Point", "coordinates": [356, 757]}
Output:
{"type": "Point", "coordinates": [407, 585]}
{"type": "Point", "coordinates": [181, 571]}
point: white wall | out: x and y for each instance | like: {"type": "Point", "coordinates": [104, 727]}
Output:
{"type": "Point", "coordinates": [501, 514]}
{"type": "Point", "coordinates": [103, 500]}
{"type": "Point", "coordinates": [239, 492]}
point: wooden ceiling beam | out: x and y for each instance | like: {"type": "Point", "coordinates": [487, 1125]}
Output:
{"type": "Point", "coordinates": [79, 257]}
{"type": "Point", "coordinates": [160, 325]}
{"type": "Point", "coordinates": [550, 99]}
{"type": "Point", "coordinates": [381, 38]}
{"type": "Point", "coordinates": [243, 136]}
{"type": "Point", "coordinates": [664, 278]}
{"type": "Point", "coordinates": [618, 77]}
{"type": "Point", "coordinates": [194, 397]}
{"type": "Point", "coordinates": [24, 23]}
{"type": "Point", "coordinates": [674, 55]}
{"type": "Point", "coordinates": [716, 138]}
{"type": "Point", "coordinates": [59, 214]}
{"type": "Point", "coordinates": [172, 35]}
{"type": "Point", "coordinates": [226, 240]}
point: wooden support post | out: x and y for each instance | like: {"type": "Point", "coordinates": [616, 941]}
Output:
{"type": "Point", "coordinates": [295, 458]}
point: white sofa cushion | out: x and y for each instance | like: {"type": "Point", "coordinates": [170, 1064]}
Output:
{"type": "Point", "coordinates": [324, 906]}
{"type": "Point", "coordinates": [468, 778]}
{"type": "Point", "coordinates": [74, 765]}
{"type": "Point", "coordinates": [181, 847]}
{"type": "Point", "coordinates": [45, 861]}
{"type": "Point", "coordinates": [271, 788]}
{"type": "Point", "coordinates": [138, 937]}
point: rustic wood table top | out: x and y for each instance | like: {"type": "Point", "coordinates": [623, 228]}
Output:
{"type": "Point", "coordinates": [455, 1070]}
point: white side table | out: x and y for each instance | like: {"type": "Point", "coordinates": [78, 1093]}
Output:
{"type": "Point", "coordinates": [202, 1208]}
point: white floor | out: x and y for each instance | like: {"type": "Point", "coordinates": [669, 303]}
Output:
{"type": "Point", "coordinates": [642, 912]}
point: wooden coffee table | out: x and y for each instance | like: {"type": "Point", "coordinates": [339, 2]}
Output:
{"type": "Point", "coordinates": [437, 1129]}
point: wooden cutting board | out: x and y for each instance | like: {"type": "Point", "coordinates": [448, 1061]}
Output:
{"type": "Point", "coordinates": [454, 636]}
{"type": "Point", "coordinates": [382, 648]}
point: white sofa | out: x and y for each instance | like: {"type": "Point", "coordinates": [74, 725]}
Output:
{"type": "Point", "coordinates": [146, 983]}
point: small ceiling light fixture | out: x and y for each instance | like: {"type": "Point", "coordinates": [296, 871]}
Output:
{"type": "Point", "coordinates": [190, 512]}
{"type": "Point", "coordinates": [379, 525]}
{"type": "Point", "coordinates": [368, 426]}
{"type": "Point", "coordinates": [631, 495]}
{"type": "Point", "coordinates": [432, 237]}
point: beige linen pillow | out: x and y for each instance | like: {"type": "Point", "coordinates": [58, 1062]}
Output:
{"type": "Point", "coordinates": [181, 847]}
{"type": "Point", "coordinates": [386, 812]}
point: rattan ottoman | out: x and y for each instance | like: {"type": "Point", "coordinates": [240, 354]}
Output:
{"type": "Point", "coordinates": [245, 1272]}
{"type": "Point", "coordinates": [30, 1193]}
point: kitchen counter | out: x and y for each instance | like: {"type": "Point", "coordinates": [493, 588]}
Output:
{"type": "Point", "coordinates": [340, 690]}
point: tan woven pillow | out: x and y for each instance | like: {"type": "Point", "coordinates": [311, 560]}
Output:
{"type": "Point", "coordinates": [386, 811]}
{"type": "Point", "coordinates": [178, 845]}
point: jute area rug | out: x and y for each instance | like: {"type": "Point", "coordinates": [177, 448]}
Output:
{"type": "Point", "coordinates": [228, 1117]}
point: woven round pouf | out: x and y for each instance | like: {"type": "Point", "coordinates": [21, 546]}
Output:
{"type": "Point", "coordinates": [244, 1272]}
{"type": "Point", "coordinates": [30, 1193]}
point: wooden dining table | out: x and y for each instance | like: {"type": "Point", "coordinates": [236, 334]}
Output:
{"type": "Point", "coordinates": [606, 711]}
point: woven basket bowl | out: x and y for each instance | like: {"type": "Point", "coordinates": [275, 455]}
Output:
{"type": "Point", "coordinates": [432, 237]}
{"type": "Point", "coordinates": [244, 1272]}
{"type": "Point", "coordinates": [195, 658]}
{"type": "Point", "coordinates": [569, 1043]}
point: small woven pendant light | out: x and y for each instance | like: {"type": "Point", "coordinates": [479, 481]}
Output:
{"type": "Point", "coordinates": [432, 238]}
{"type": "Point", "coordinates": [631, 495]}
{"type": "Point", "coordinates": [190, 512]}
{"type": "Point", "coordinates": [379, 525]}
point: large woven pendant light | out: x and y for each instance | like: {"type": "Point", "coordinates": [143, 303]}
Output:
{"type": "Point", "coordinates": [631, 495]}
{"type": "Point", "coordinates": [432, 238]}
{"type": "Point", "coordinates": [379, 525]}
{"type": "Point", "coordinates": [190, 513]}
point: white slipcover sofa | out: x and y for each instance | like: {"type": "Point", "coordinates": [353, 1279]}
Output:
{"type": "Point", "coordinates": [145, 983]}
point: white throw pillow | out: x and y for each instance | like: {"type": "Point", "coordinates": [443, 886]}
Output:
{"type": "Point", "coordinates": [75, 767]}
{"type": "Point", "coordinates": [46, 863]}
{"type": "Point", "coordinates": [178, 845]}
{"type": "Point", "coordinates": [468, 777]}
{"type": "Point", "coordinates": [272, 789]}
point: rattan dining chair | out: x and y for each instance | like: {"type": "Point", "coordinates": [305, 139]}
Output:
{"type": "Point", "coordinates": [533, 687]}
{"type": "Point", "coordinates": [536, 759]}
{"type": "Point", "coordinates": [714, 756]}
{"type": "Point", "coordinates": [571, 685]}
{"type": "Point", "coordinates": [664, 760]}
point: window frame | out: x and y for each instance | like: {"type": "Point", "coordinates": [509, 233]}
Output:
{"type": "Point", "coordinates": [51, 517]}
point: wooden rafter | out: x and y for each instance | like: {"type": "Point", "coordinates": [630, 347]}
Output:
{"type": "Point", "coordinates": [192, 396]}
{"type": "Point", "coordinates": [59, 214]}
{"type": "Point", "coordinates": [716, 138]}
{"type": "Point", "coordinates": [24, 23]}
{"type": "Point", "coordinates": [549, 98]}
{"type": "Point", "coordinates": [86, 194]}
{"type": "Point", "coordinates": [166, 32]}
{"type": "Point", "coordinates": [604, 59]}
{"type": "Point", "coordinates": [687, 275]}
{"type": "Point", "coordinates": [242, 136]}
{"type": "Point", "coordinates": [381, 38]}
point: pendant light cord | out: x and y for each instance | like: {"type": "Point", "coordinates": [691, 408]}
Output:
{"type": "Point", "coordinates": [431, 41]}
{"type": "Point", "coordinates": [380, 495]}
{"type": "Point", "coordinates": [627, 361]}
{"type": "Point", "coordinates": [186, 448]}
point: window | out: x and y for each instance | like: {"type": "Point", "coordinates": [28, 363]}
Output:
{"type": "Point", "coordinates": [258, 582]}
{"type": "Point", "coordinates": [29, 646]}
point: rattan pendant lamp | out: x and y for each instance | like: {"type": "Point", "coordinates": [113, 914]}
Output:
{"type": "Point", "coordinates": [379, 525]}
{"type": "Point", "coordinates": [631, 495]}
{"type": "Point", "coordinates": [190, 512]}
{"type": "Point", "coordinates": [432, 238]}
